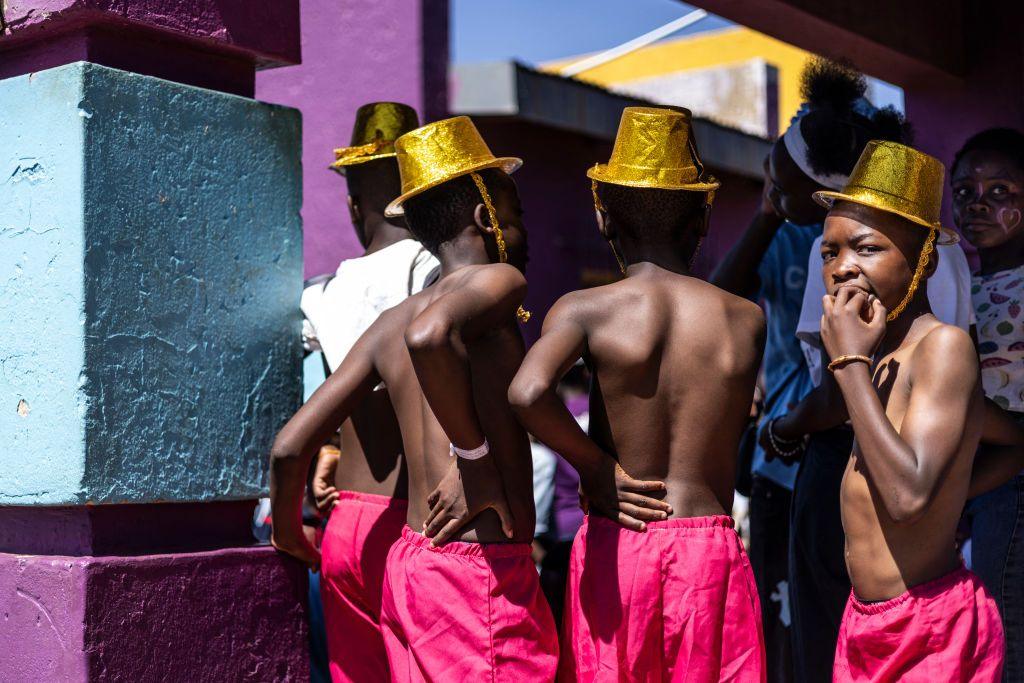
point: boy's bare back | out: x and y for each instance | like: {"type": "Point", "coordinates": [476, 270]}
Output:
{"type": "Point", "coordinates": [675, 361]}
{"type": "Point", "coordinates": [886, 556]}
{"type": "Point", "coordinates": [494, 359]}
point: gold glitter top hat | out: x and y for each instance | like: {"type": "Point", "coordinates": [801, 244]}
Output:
{"type": "Point", "coordinates": [655, 148]}
{"type": "Point", "coordinates": [378, 125]}
{"type": "Point", "coordinates": [439, 152]}
{"type": "Point", "coordinates": [897, 179]}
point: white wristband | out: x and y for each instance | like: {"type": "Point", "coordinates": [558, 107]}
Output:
{"type": "Point", "coordinates": [472, 453]}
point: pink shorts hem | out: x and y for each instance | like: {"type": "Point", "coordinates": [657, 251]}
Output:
{"type": "Point", "coordinates": [676, 524]}
{"type": "Point", "coordinates": [489, 550]}
{"type": "Point", "coordinates": [373, 499]}
{"type": "Point", "coordinates": [928, 589]}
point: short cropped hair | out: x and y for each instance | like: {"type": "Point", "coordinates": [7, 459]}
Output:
{"type": "Point", "coordinates": [435, 216]}
{"type": "Point", "coordinates": [643, 212]}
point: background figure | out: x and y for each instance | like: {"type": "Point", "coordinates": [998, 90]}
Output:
{"type": "Point", "coordinates": [988, 199]}
{"type": "Point", "coordinates": [769, 264]}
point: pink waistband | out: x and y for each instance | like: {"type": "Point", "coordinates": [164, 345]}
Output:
{"type": "Point", "coordinates": [674, 524]}
{"type": "Point", "coordinates": [922, 591]}
{"type": "Point", "coordinates": [489, 550]}
{"type": "Point", "coordinates": [374, 499]}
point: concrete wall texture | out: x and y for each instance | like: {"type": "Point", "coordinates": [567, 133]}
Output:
{"type": "Point", "coordinates": [223, 615]}
{"type": "Point", "coordinates": [150, 248]}
{"type": "Point", "coordinates": [354, 51]}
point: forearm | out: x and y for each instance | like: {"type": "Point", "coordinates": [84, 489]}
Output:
{"type": "Point", "coordinates": [891, 463]}
{"type": "Point", "coordinates": [287, 488]}
{"type": "Point", "coordinates": [737, 273]}
{"type": "Point", "coordinates": [820, 410]}
{"type": "Point", "coordinates": [442, 367]}
{"type": "Point", "coordinates": [547, 418]}
{"type": "Point", "coordinates": [993, 467]}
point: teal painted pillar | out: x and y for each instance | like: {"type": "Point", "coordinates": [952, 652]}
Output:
{"type": "Point", "coordinates": [151, 268]}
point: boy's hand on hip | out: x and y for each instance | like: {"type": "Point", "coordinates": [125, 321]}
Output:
{"type": "Point", "coordinates": [852, 323]}
{"type": "Point", "coordinates": [298, 546]}
{"type": "Point", "coordinates": [468, 488]}
{"type": "Point", "coordinates": [616, 495]}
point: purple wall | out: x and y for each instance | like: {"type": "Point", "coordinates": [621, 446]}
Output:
{"type": "Point", "coordinates": [223, 615]}
{"type": "Point", "coordinates": [566, 251]}
{"type": "Point", "coordinates": [353, 52]}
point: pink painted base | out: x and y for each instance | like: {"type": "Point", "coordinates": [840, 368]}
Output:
{"type": "Point", "coordinates": [224, 615]}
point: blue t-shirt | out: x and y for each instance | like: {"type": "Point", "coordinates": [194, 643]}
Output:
{"type": "Point", "coordinates": [783, 274]}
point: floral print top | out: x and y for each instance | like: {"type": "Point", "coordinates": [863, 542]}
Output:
{"type": "Point", "coordinates": [997, 304]}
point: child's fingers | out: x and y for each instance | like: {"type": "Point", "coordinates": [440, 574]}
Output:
{"type": "Point", "coordinates": [643, 485]}
{"type": "Point", "coordinates": [434, 526]}
{"type": "Point", "coordinates": [432, 498]}
{"type": "Point", "coordinates": [878, 314]}
{"type": "Point", "coordinates": [446, 533]}
{"type": "Point", "coordinates": [435, 511]}
{"type": "Point", "coordinates": [630, 523]}
{"type": "Point", "coordinates": [644, 501]}
{"type": "Point", "coordinates": [642, 513]}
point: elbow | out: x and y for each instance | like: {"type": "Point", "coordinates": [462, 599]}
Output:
{"type": "Point", "coordinates": [427, 335]}
{"type": "Point", "coordinates": [907, 509]}
{"type": "Point", "coordinates": [281, 452]}
{"type": "Point", "coordinates": [524, 394]}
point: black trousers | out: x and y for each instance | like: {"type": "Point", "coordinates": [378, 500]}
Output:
{"type": "Point", "coordinates": [769, 541]}
{"type": "Point", "coordinates": [819, 585]}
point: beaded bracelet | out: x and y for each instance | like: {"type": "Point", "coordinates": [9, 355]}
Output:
{"type": "Point", "coordinates": [848, 358]}
{"type": "Point", "coordinates": [779, 445]}
{"type": "Point", "coordinates": [470, 453]}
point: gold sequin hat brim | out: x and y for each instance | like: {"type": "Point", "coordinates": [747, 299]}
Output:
{"type": "Point", "coordinates": [439, 152]}
{"type": "Point", "coordinates": [377, 126]}
{"type": "Point", "coordinates": [655, 148]}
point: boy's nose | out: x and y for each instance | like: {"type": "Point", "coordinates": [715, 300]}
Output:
{"type": "Point", "coordinates": [978, 207]}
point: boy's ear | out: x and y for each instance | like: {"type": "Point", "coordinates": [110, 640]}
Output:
{"type": "Point", "coordinates": [353, 210]}
{"type": "Point", "coordinates": [481, 219]}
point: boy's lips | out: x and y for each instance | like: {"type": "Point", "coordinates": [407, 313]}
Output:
{"type": "Point", "coordinates": [857, 288]}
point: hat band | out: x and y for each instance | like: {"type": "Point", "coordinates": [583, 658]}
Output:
{"type": "Point", "coordinates": [642, 176]}
{"type": "Point", "coordinates": [344, 155]}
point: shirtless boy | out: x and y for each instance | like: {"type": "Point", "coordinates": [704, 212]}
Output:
{"type": "Point", "coordinates": [363, 487]}
{"type": "Point", "coordinates": [659, 584]}
{"type": "Point", "coordinates": [911, 386]}
{"type": "Point", "coordinates": [471, 608]}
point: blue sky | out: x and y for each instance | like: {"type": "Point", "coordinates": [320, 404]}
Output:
{"type": "Point", "coordinates": [535, 31]}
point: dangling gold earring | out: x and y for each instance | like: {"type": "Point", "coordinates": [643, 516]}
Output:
{"type": "Point", "coordinates": [499, 237]}
{"type": "Point", "coordinates": [599, 206]}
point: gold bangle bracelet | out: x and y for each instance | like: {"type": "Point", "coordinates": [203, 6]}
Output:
{"type": "Point", "coordinates": [848, 358]}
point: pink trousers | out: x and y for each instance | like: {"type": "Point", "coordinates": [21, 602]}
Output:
{"type": "Point", "coordinates": [675, 603]}
{"type": "Point", "coordinates": [360, 532]}
{"type": "Point", "coordinates": [945, 630]}
{"type": "Point", "coordinates": [466, 612]}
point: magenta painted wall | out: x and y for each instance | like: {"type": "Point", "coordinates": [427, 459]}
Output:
{"type": "Point", "coordinates": [353, 52]}
{"type": "Point", "coordinates": [566, 250]}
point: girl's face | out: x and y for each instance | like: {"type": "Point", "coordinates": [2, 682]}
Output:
{"type": "Point", "coordinates": [988, 198]}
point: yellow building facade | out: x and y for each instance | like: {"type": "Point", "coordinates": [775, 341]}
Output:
{"type": "Point", "coordinates": [719, 49]}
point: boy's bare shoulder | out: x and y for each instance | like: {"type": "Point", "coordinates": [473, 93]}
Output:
{"type": "Point", "coordinates": [501, 275]}
{"type": "Point", "coordinates": [946, 349]}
